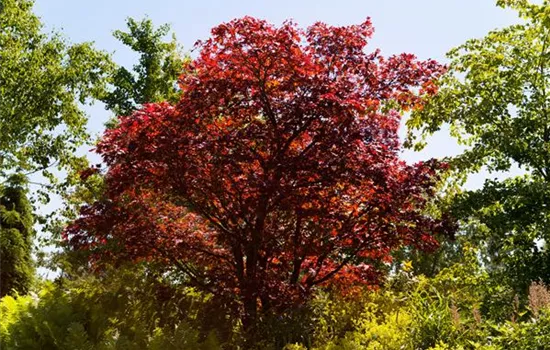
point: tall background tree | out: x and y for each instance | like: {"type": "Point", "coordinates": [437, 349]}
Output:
{"type": "Point", "coordinates": [43, 82]}
{"type": "Point", "coordinates": [16, 238]}
{"type": "Point", "coordinates": [496, 99]}
{"type": "Point", "coordinates": [154, 78]}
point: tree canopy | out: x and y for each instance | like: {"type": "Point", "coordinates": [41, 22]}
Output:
{"type": "Point", "coordinates": [154, 78]}
{"type": "Point", "coordinates": [254, 196]}
{"type": "Point", "coordinates": [43, 82]}
{"type": "Point", "coordinates": [278, 169]}
{"type": "Point", "coordinates": [16, 238]}
{"type": "Point", "coordinates": [495, 97]}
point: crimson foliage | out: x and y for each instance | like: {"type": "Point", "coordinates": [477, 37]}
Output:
{"type": "Point", "coordinates": [277, 171]}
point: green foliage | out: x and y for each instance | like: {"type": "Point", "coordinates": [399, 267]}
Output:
{"type": "Point", "coordinates": [120, 311]}
{"type": "Point", "coordinates": [139, 308]}
{"type": "Point", "coordinates": [154, 78]}
{"type": "Point", "coordinates": [495, 97]}
{"type": "Point", "coordinates": [374, 320]}
{"type": "Point", "coordinates": [430, 264]}
{"type": "Point", "coordinates": [449, 311]}
{"type": "Point", "coordinates": [43, 82]}
{"type": "Point", "coordinates": [16, 238]}
{"type": "Point", "coordinates": [526, 335]}
{"type": "Point", "coordinates": [43, 79]}
{"type": "Point", "coordinates": [508, 220]}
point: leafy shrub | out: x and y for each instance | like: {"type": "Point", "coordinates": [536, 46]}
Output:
{"type": "Point", "coordinates": [120, 313]}
{"type": "Point", "coordinates": [452, 310]}
{"type": "Point", "coordinates": [129, 309]}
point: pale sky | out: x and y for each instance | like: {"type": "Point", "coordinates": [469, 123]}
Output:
{"type": "Point", "coordinates": [427, 28]}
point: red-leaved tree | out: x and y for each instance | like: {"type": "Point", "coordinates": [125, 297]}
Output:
{"type": "Point", "coordinates": [278, 170]}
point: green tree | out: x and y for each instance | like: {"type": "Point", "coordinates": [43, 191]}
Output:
{"type": "Point", "coordinates": [124, 309]}
{"type": "Point", "coordinates": [16, 238]}
{"type": "Point", "coordinates": [495, 98]}
{"type": "Point", "coordinates": [43, 82]}
{"type": "Point", "coordinates": [154, 78]}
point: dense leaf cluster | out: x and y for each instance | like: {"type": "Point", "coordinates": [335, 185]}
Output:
{"type": "Point", "coordinates": [43, 79]}
{"type": "Point", "coordinates": [277, 171]}
{"type": "Point", "coordinates": [16, 239]}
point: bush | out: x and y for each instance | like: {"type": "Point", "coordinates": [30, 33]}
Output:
{"type": "Point", "coordinates": [119, 313]}
{"type": "Point", "coordinates": [453, 310]}
{"type": "Point", "coordinates": [129, 309]}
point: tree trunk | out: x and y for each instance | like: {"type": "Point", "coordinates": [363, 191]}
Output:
{"type": "Point", "coordinates": [250, 316]}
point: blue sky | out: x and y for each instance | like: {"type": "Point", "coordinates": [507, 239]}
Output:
{"type": "Point", "coordinates": [427, 28]}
